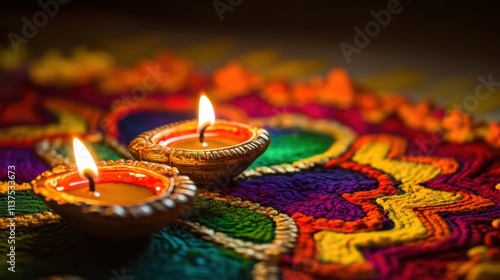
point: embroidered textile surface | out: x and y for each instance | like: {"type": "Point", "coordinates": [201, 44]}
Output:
{"type": "Point", "coordinates": [355, 184]}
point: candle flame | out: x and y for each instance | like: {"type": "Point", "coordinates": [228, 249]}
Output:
{"type": "Point", "coordinates": [83, 158]}
{"type": "Point", "coordinates": [206, 115]}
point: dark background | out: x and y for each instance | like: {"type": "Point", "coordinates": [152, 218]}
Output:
{"type": "Point", "coordinates": [456, 27]}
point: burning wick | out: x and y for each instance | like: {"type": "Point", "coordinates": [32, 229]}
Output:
{"type": "Point", "coordinates": [206, 117]}
{"type": "Point", "coordinates": [202, 134]}
{"type": "Point", "coordinates": [85, 164]}
{"type": "Point", "coordinates": [91, 184]}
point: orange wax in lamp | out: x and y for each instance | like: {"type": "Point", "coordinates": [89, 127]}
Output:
{"type": "Point", "coordinates": [208, 134]}
{"type": "Point", "coordinates": [211, 152]}
{"type": "Point", "coordinates": [112, 186]}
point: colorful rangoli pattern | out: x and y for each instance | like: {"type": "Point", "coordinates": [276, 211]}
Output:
{"type": "Point", "coordinates": [354, 185]}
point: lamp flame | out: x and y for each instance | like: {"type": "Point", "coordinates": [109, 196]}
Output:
{"type": "Point", "coordinates": [84, 161]}
{"type": "Point", "coordinates": [206, 115]}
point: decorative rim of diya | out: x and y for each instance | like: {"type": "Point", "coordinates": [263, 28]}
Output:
{"type": "Point", "coordinates": [119, 220]}
{"type": "Point", "coordinates": [202, 166]}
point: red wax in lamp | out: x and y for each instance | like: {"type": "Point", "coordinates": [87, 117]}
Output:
{"type": "Point", "coordinates": [114, 185]}
{"type": "Point", "coordinates": [207, 135]}
{"type": "Point", "coordinates": [216, 136]}
{"type": "Point", "coordinates": [111, 185]}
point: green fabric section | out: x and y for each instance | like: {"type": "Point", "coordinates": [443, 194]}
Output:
{"type": "Point", "coordinates": [288, 146]}
{"type": "Point", "coordinates": [98, 150]}
{"type": "Point", "coordinates": [169, 254]}
{"type": "Point", "coordinates": [235, 221]}
{"type": "Point", "coordinates": [26, 203]}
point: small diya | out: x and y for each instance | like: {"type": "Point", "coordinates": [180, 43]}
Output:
{"type": "Point", "coordinates": [115, 199]}
{"type": "Point", "coordinates": [210, 152]}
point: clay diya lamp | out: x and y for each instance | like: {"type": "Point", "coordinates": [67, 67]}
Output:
{"type": "Point", "coordinates": [211, 152]}
{"type": "Point", "coordinates": [115, 199]}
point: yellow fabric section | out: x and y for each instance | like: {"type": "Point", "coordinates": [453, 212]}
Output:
{"type": "Point", "coordinates": [344, 248]}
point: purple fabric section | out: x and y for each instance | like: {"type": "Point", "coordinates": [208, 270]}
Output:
{"type": "Point", "coordinates": [315, 193]}
{"type": "Point", "coordinates": [27, 164]}
{"type": "Point", "coordinates": [400, 262]}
